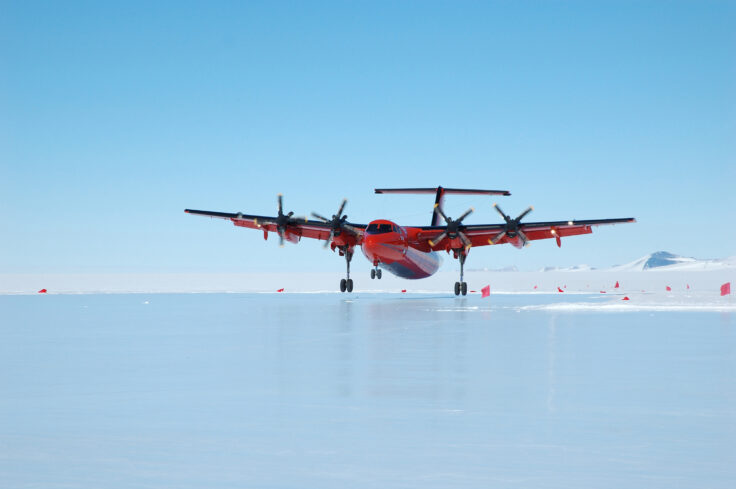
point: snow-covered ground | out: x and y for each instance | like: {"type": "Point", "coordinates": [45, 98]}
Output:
{"type": "Point", "coordinates": [367, 390]}
{"type": "Point", "coordinates": [687, 278]}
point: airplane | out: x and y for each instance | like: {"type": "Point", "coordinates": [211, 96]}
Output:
{"type": "Point", "coordinates": [410, 252]}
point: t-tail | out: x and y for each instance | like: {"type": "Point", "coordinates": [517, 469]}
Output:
{"type": "Point", "coordinates": [440, 193]}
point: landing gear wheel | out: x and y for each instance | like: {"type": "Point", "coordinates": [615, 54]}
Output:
{"type": "Point", "coordinates": [464, 288]}
{"type": "Point", "coordinates": [343, 285]}
{"type": "Point", "coordinates": [373, 273]}
{"type": "Point", "coordinates": [457, 288]}
{"type": "Point", "coordinates": [378, 274]}
{"type": "Point", "coordinates": [350, 285]}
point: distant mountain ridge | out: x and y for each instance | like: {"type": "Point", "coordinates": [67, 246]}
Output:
{"type": "Point", "coordinates": [665, 261]}
{"type": "Point", "coordinates": [657, 261]}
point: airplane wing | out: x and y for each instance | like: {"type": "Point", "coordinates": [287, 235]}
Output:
{"type": "Point", "coordinates": [488, 234]}
{"type": "Point", "coordinates": [295, 229]}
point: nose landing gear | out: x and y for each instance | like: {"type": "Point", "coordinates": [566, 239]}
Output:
{"type": "Point", "coordinates": [376, 273]}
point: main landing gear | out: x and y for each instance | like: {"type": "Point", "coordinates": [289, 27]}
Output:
{"type": "Point", "coordinates": [461, 287]}
{"type": "Point", "coordinates": [346, 284]}
{"type": "Point", "coordinates": [376, 273]}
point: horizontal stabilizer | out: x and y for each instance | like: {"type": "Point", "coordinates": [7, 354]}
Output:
{"type": "Point", "coordinates": [440, 193]}
{"type": "Point", "coordinates": [467, 191]}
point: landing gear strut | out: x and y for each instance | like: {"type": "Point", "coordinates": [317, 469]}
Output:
{"type": "Point", "coordinates": [461, 287]}
{"type": "Point", "coordinates": [346, 284]}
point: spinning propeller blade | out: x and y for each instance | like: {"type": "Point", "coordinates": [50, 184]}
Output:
{"type": "Point", "coordinates": [338, 223]}
{"type": "Point", "coordinates": [452, 229]}
{"type": "Point", "coordinates": [511, 227]}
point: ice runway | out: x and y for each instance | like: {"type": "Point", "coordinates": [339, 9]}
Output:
{"type": "Point", "coordinates": [365, 391]}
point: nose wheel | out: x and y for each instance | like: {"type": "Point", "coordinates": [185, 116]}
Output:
{"type": "Point", "coordinates": [376, 273]}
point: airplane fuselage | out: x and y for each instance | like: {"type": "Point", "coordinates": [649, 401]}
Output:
{"type": "Point", "coordinates": [394, 248]}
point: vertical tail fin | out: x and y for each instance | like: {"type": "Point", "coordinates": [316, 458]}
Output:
{"type": "Point", "coordinates": [438, 201]}
{"type": "Point", "coordinates": [440, 195]}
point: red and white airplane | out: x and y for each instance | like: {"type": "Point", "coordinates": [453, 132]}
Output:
{"type": "Point", "coordinates": [410, 251]}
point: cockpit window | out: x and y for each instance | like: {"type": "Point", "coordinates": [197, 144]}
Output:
{"type": "Point", "coordinates": [379, 228]}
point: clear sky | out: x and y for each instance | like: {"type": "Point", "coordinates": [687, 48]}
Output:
{"type": "Point", "coordinates": [115, 116]}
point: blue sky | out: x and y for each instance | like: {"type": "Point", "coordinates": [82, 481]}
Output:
{"type": "Point", "coordinates": [114, 117]}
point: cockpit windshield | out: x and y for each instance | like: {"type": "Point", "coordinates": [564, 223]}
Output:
{"type": "Point", "coordinates": [380, 228]}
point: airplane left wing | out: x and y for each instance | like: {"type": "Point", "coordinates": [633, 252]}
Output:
{"type": "Point", "coordinates": [536, 230]}
{"type": "Point", "coordinates": [290, 228]}
{"type": "Point", "coordinates": [519, 235]}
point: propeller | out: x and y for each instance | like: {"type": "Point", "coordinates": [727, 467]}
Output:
{"type": "Point", "coordinates": [511, 228]}
{"type": "Point", "coordinates": [337, 224]}
{"type": "Point", "coordinates": [282, 221]}
{"type": "Point", "coordinates": [452, 229]}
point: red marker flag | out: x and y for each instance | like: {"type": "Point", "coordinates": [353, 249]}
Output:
{"type": "Point", "coordinates": [280, 290]}
{"type": "Point", "coordinates": [559, 290]}
{"type": "Point", "coordinates": [688, 286]}
{"type": "Point", "coordinates": [535, 287]}
{"type": "Point", "coordinates": [403, 291]}
{"type": "Point", "coordinates": [485, 291]}
{"type": "Point", "coordinates": [626, 298]}
{"type": "Point", "coordinates": [603, 291]}
{"type": "Point", "coordinates": [616, 286]}
{"type": "Point", "coordinates": [669, 289]}
{"type": "Point", "coordinates": [42, 291]}
{"type": "Point", "coordinates": [726, 289]}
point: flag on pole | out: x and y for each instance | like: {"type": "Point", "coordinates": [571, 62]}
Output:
{"type": "Point", "coordinates": [669, 289]}
{"type": "Point", "coordinates": [42, 291]}
{"type": "Point", "coordinates": [616, 286]}
{"type": "Point", "coordinates": [726, 289]}
{"type": "Point", "coordinates": [485, 291]}
{"type": "Point", "coordinates": [559, 289]}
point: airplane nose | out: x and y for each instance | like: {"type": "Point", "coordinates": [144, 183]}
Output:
{"type": "Point", "coordinates": [369, 245]}
{"type": "Point", "coordinates": [385, 248]}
